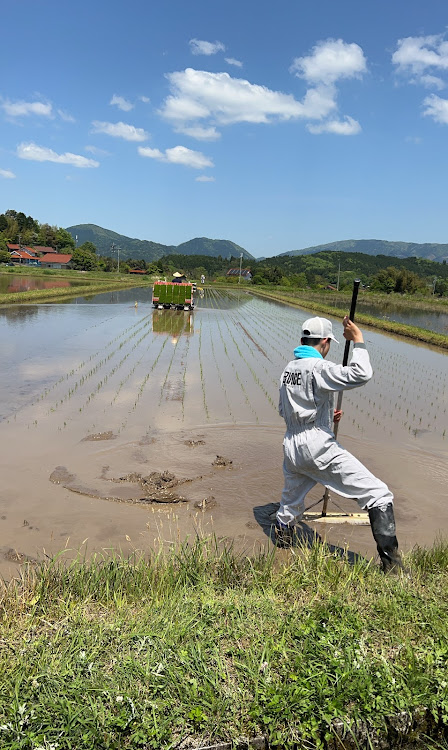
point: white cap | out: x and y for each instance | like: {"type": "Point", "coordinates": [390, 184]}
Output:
{"type": "Point", "coordinates": [318, 328]}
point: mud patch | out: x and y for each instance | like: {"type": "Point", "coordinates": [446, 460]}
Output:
{"type": "Point", "coordinates": [221, 461]}
{"type": "Point", "coordinates": [108, 435]}
{"type": "Point", "coordinates": [157, 486]}
{"type": "Point", "coordinates": [147, 440]}
{"type": "Point", "coordinates": [61, 475]}
{"type": "Point", "coordinates": [206, 504]}
{"type": "Point", "coordinates": [12, 555]}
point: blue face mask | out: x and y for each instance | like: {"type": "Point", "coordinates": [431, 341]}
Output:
{"type": "Point", "coordinates": [302, 352]}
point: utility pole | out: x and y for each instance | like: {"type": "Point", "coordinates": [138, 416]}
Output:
{"type": "Point", "coordinates": [241, 260]}
{"type": "Point", "coordinates": [339, 273]}
{"type": "Point", "coordinates": [114, 247]}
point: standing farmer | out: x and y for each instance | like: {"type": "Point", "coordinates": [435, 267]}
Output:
{"type": "Point", "coordinates": [311, 452]}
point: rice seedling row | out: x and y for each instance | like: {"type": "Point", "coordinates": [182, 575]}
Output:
{"type": "Point", "coordinates": [201, 370]}
{"type": "Point", "coordinates": [256, 378]}
{"type": "Point", "coordinates": [84, 363]}
{"type": "Point", "coordinates": [97, 367]}
{"type": "Point", "coordinates": [236, 373]}
{"type": "Point", "coordinates": [221, 381]}
{"type": "Point", "coordinates": [101, 383]}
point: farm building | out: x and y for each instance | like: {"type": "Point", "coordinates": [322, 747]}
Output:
{"type": "Point", "coordinates": [55, 260]}
{"type": "Point", "coordinates": [23, 256]}
{"type": "Point", "coordinates": [245, 273]}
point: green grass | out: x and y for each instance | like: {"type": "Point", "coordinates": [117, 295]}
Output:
{"type": "Point", "coordinates": [202, 642]}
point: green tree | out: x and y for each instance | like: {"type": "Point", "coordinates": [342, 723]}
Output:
{"type": "Point", "coordinates": [89, 247]}
{"type": "Point", "coordinates": [83, 260]}
{"type": "Point", "coordinates": [4, 256]}
{"type": "Point", "coordinates": [46, 235]}
{"type": "Point", "coordinates": [64, 239]}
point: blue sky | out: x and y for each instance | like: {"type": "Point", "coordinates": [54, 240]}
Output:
{"type": "Point", "coordinates": [275, 125]}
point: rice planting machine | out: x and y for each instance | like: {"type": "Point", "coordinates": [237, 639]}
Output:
{"type": "Point", "coordinates": [171, 295]}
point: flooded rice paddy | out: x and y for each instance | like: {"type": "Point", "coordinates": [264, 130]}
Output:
{"type": "Point", "coordinates": [113, 416]}
{"type": "Point", "coordinates": [14, 283]}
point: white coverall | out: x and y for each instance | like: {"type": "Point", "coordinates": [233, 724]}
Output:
{"type": "Point", "coordinates": [311, 452]}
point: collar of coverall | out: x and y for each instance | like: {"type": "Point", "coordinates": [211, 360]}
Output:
{"type": "Point", "coordinates": [304, 352]}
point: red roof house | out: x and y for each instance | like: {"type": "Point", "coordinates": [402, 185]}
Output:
{"type": "Point", "coordinates": [12, 246]}
{"type": "Point", "coordinates": [55, 260]}
{"type": "Point", "coordinates": [42, 250]}
{"type": "Point", "coordinates": [23, 256]}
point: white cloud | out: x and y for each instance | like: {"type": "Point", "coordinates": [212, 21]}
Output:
{"type": "Point", "coordinates": [122, 103]}
{"type": "Point", "coordinates": [330, 61]}
{"type": "Point", "coordinates": [144, 99]}
{"type": "Point", "coordinates": [178, 155]}
{"type": "Point", "coordinates": [200, 133]}
{"type": "Point", "coordinates": [198, 95]}
{"type": "Point", "coordinates": [232, 61]}
{"type": "Point", "coordinates": [22, 109]}
{"type": "Point", "coordinates": [151, 153]}
{"type": "Point", "coordinates": [199, 47]}
{"type": "Point", "coordinates": [204, 178]}
{"type": "Point", "coordinates": [120, 130]}
{"type": "Point", "coordinates": [66, 116]}
{"type": "Point", "coordinates": [348, 126]}
{"type": "Point", "coordinates": [431, 82]}
{"type": "Point", "coordinates": [33, 152]}
{"type": "Point", "coordinates": [199, 100]}
{"type": "Point", "coordinates": [97, 151]}
{"type": "Point", "coordinates": [7, 174]}
{"type": "Point", "coordinates": [415, 54]}
{"type": "Point", "coordinates": [437, 108]}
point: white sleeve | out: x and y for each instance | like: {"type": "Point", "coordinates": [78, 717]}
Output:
{"type": "Point", "coordinates": [331, 377]}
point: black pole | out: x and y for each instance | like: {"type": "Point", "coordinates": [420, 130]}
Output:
{"type": "Point", "coordinates": [356, 284]}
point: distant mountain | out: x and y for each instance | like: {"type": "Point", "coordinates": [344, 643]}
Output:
{"type": "Point", "coordinates": [134, 248]}
{"type": "Point", "coordinates": [204, 246]}
{"type": "Point", "coordinates": [430, 251]}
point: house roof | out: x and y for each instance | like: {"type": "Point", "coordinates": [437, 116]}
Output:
{"type": "Point", "coordinates": [22, 254]}
{"type": "Point", "coordinates": [43, 249]}
{"type": "Point", "coordinates": [12, 246]}
{"type": "Point", "coordinates": [236, 271]}
{"type": "Point", "coordinates": [56, 258]}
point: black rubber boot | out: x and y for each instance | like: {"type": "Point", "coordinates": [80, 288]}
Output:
{"type": "Point", "coordinates": [382, 522]}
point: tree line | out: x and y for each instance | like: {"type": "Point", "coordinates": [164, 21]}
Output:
{"type": "Point", "coordinates": [314, 271]}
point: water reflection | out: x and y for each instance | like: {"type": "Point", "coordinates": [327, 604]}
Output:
{"type": "Point", "coordinates": [18, 313]}
{"type": "Point", "coordinates": [174, 322]}
{"type": "Point", "coordinates": [430, 320]}
{"type": "Point", "coordinates": [143, 295]}
{"type": "Point", "coordinates": [15, 283]}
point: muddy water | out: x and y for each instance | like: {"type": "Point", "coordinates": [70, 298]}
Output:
{"type": "Point", "coordinates": [114, 393]}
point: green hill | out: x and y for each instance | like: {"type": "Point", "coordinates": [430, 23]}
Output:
{"type": "Point", "coordinates": [205, 246]}
{"type": "Point", "coordinates": [149, 251]}
{"type": "Point", "coordinates": [430, 251]}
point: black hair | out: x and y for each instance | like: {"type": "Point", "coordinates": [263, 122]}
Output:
{"type": "Point", "coordinates": [308, 341]}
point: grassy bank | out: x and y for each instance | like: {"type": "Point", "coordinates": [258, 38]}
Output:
{"type": "Point", "coordinates": [83, 290]}
{"type": "Point", "coordinates": [318, 304]}
{"type": "Point", "coordinates": [202, 644]}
